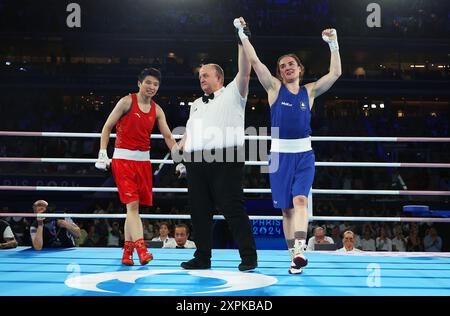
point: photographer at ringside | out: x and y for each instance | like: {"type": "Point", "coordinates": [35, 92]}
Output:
{"type": "Point", "coordinates": [52, 232]}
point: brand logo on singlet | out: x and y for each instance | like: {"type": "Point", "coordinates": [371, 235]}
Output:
{"type": "Point", "coordinates": [303, 106]}
{"type": "Point", "coordinates": [138, 115]}
{"type": "Point", "coordinates": [286, 103]}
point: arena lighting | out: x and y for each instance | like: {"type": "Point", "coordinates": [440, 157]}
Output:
{"type": "Point", "coordinates": [182, 103]}
{"type": "Point", "coordinates": [373, 106]}
{"type": "Point", "coordinates": [381, 105]}
{"type": "Point", "coordinates": [190, 103]}
{"type": "Point", "coordinates": [253, 108]}
{"type": "Point", "coordinates": [8, 63]}
{"type": "Point", "coordinates": [365, 106]}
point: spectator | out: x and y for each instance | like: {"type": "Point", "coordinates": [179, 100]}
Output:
{"type": "Point", "coordinates": [20, 227]}
{"type": "Point", "coordinates": [319, 238]}
{"type": "Point", "coordinates": [383, 243]}
{"type": "Point", "coordinates": [148, 230]}
{"type": "Point", "coordinates": [83, 235]}
{"type": "Point", "coordinates": [336, 236]}
{"type": "Point", "coordinates": [399, 241]}
{"type": "Point", "coordinates": [7, 239]}
{"type": "Point", "coordinates": [432, 242]}
{"type": "Point", "coordinates": [413, 242]}
{"type": "Point", "coordinates": [357, 238]}
{"type": "Point", "coordinates": [52, 232]}
{"type": "Point", "coordinates": [116, 237]}
{"type": "Point", "coordinates": [349, 242]}
{"type": "Point", "coordinates": [92, 239]}
{"type": "Point", "coordinates": [163, 233]}
{"type": "Point", "coordinates": [368, 243]}
{"type": "Point", "coordinates": [181, 238]}
{"type": "Point", "coordinates": [102, 230]}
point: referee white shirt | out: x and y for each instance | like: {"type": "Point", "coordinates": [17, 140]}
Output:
{"type": "Point", "coordinates": [173, 244]}
{"type": "Point", "coordinates": [218, 123]}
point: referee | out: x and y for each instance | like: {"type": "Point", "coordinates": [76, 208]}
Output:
{"type": "Point", "coordinates": [213, 148]}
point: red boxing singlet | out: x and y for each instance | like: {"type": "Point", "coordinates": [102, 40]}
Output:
{"type": "Point", "coordinates": [134, 129]}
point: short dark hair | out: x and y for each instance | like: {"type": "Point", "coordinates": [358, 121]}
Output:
{"type": "Point", "coordinates": [149, 72]}
{"type": "Point", "coordinates": [183, 226]}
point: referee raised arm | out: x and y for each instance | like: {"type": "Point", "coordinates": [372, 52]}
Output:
{"type": "Point", "coordinates": [213, 148]}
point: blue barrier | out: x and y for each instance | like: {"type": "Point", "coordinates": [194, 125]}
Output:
{"type": "Point", "coordinates": [424, 210]}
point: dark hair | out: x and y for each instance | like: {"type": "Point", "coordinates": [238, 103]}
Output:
{"type": "Point", "coordinates": [302, 68]}
{"type": "Point", "coordinates": [149, 72]}
{"type": "Point", "coordinates": [164, 223]}
{"type": "Point", "coordinates": [183, 226]}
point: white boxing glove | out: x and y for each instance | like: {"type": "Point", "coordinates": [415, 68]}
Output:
{"type": "Point", "coordinates": [330, 36]}
{"type": "Point", "coordinates": [102, 162]}
{"type": "Point", "coordinates": [181, 170]}
{"type": "Point", "coordinates": [240, 28]}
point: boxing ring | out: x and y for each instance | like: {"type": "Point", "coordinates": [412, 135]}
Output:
{"type": "Point", "coordinates": [98, 271]}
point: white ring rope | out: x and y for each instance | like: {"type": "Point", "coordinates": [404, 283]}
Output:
{"type": "Point", "coordinates": [221, 217]}
{"type": "Point", "coordinates": [253, 191]}
{"type": "Point", "coordinates": [248, 137]}
{"type": "Point", "coordinates": [247, 163]}
{"type": "Point", "coordinates": [255, 163]}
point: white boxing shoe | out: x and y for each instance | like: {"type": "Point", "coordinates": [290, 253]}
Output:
{"type": "Point", "coordinates": [295, 270]}
{"type": "Point", "coordinates": [299, 259]}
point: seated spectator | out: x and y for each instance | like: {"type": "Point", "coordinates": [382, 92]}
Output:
{"type": "Point", "coordinates": [349, 242]}
{"type": "Point", "coordinates": [399, 241]}
{"type": "Point", "coordinates": [383, 243]}
{"type": "Point", "coordinates": [336, 236]}
{"type": "Point", "coordinates": [356, 237]}
{"type": "Point", "coordinates": [102, 230]}
{"type": "Point", "coordinates": [368, 243]}
{"type": "Point", "coordinates": [92, 239]}
{"type": "Point", "coordinates": [319, 238]}
{"type": "Point", "coordinates": [7, 239]}
{"type": "Point", "coordinates": [52, 232]}
{"type": "Point", "coordinates": [432, 242]}
{"type": "Point", "coordinates": [163, 233]}
{"type": "Point", "coordinates": [413, 242]}
{"type": "Point", "coordinates": [83, 235]}
{"type": "Point", "coordinates": [181, 238]}
{"type": "Point", "coordinates": [21, 228]}
{"type": "Point", "coordinates": [147, 228]}
{"type": "Point", "coordinates": [116, 237]}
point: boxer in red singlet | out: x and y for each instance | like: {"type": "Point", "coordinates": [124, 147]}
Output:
{"type": "Point", "coordinates": [134, 117]}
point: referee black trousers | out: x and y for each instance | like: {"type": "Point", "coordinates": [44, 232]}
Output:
{"type": "Point", "coordinates": [218, 185]}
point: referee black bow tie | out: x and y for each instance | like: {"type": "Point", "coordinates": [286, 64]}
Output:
{"type": "Point", "coordinates": [206, 98]}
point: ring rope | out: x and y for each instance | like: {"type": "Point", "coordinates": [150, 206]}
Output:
{"type": "Point", "coordinates": [253, 191]}
{"type": "Point", "coordinates": [221, 217]}
{"type": "Point", "coordinates": [247, 163]}
{"type": "Point", "coordinates": [247, 137]}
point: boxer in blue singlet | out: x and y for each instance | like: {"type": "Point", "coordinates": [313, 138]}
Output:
{"type": "Point", "coordinates": [292, 174]}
